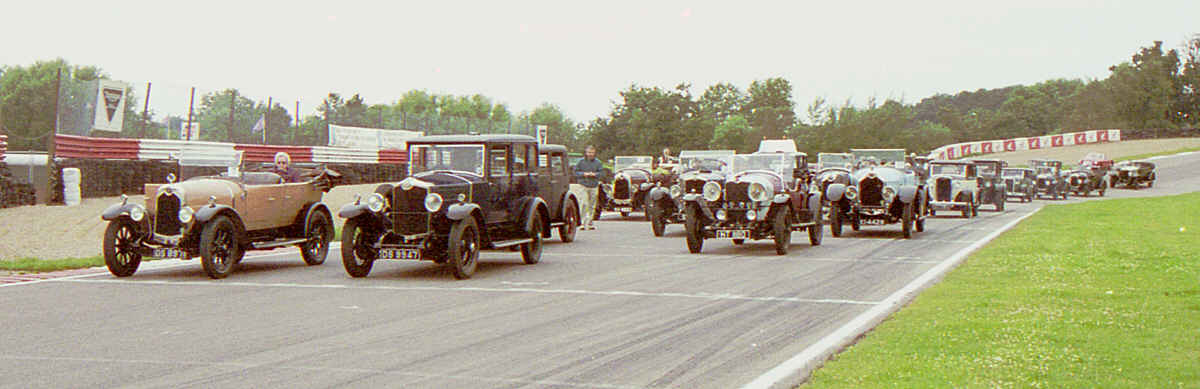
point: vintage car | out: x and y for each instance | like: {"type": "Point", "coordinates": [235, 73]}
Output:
{"type": "Point", "coordinates": [464, 193]}
{"type": "Point", "coordinates": [220, 216]}
{"type": "Point", "coordinates": [666, 199]}
{"type": "Point", "coordinates": [762, 199]}
{"type": "Point", "coordinates": [991, 184]}
{"type": "Point", "coordinates": [884, 191]}
{"type": "Point", "coordinates": [1132, 174]}
{"type": "Point", "coordinates": [1050, 181]}
{"type": "Point", "coordinates": [1085, 179]}
{"type": "Point", "coordinates": [554, 186]}
{"type": "Point", "coordinates": [1020, 183]}
{"type": "Point", "coordinates": [631, 184]}
{"type": "Point", "coordinates": [955, 186]}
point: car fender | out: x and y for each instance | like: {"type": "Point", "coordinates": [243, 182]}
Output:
{"type": "Point", "coordinates": [352, 210]}
{"type": "Point", "coordinates": [315, 207]}
{"type": "Point", "coordinates": [814, 202]}
{"type": "Point", "coordinates": [460, 211]}
{"type": "Point", "coordinates": [835, 191]}
{"type": "Point", "coordinates": [208, 212]}
{"type": "Point", "coordinates": [658, 193]}
{"type": "Point", "coordinates": [907, 193]}
{"type": "Point", "coordinates": [115, 211]}
{"type": "Point", "coordinates": [781, 199]}
{"type": "Point", "coordinates": [568, 196]}
{"type": "Point", "coordinates": [536, 204]}
{"type": "Point", "coordinates": [691, 197]}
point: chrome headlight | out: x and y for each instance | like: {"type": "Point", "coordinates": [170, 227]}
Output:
{"type": "Point", "coordinates": [433, 202]}
{"type": "Point", "coordinates": [712, 191]}
{"type": "Point", "coordinates": [646, 186]}
{"type": "Point", "coordinates": [185, 214]}
{"type": "Point", "coordinates": [375, 202]}
{"type": "Point", "coordinates": [852, 192]}
{"type": "Point", "coordinates": [137, 213]}
{"type": "Point", "coordinates": [758, 192]}
{"type": "Point", "coordinates": [751, 215]}
{"type": "Point", "coordinates": [721, 214]}
{"type": "Point", "coordinates": [676, 191]}
{"type": "Point", "coordinates": [889, 194]}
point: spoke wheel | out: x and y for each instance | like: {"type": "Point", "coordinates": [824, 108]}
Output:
{"type": "Point", "coordinates": [320, 232]}
{"type": "Point", "coordinates": [357, 255]}
{"type": "Point", "coordinates": [464, 248]}
{"type": "Point", "coordinates": [220, 250]}
{"type": "Point", "coordinates": [566, 232]}
{"type": "Point", "coordinates": [120, 248]}
{"type": "Point", "coordinates": [531, 252]}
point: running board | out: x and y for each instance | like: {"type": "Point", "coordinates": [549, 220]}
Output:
{"type": "Point", "coordinates": [276, 243]}
{"type": "Point", "coordinates": [510, 243]}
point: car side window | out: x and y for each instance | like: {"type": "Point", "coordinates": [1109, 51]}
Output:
{"type": "Point", "coordinates": [558, 163]}
{"type": "Point", "coordinates": [520, 159]}
{"type": "Point", "coordinates": [543, 164]}
{"type": "Point", "coordinates": [498, 161]}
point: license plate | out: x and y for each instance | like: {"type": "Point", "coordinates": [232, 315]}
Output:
{"type": "Point", "coordinates": [876, 222]}
{"type": "Point", "coordinates": [624, 209]}
{"type": "Point", "coordinates": [169, 253]}
{"type": "Point", "coordinates": [732, 234]}
{"type": "Point", "coordinates": [399, 254]}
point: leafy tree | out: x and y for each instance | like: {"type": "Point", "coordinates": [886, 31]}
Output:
{"type": "Point", "coordinates": [770, 108]}
{"type": "Point", "coordinates": [734, 133]}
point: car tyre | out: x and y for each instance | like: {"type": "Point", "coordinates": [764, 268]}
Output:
{"type": "Point", "coordinates": [695, 237]}
{"type": "Point", "coordinates": [220, 248]}
{"type": "Point", "coordinates": [816, 232]}
{"type": "Point", "coordinates": [783, 231]}
{"type": "Point", "coordinates": [658, 223]}
{"type": "Point", "coordinates": [906, 220]}
{"type": "Point", "coordinates": [120, 248]}
{"type": "Point", "coordinates": [566, 232]}
{"type": "Point", "coordinates": [320, 232]}
{"type": "Point", "coordinates": [738, 242]}
{"type": "Point", "coordinates": [463, 250]}
{"type": "Point", "coordinates": [357, 258]}
{"type": "Point", "coordinates": [835, 220]}
{"type": "Point", "coordinates": [531, 252]}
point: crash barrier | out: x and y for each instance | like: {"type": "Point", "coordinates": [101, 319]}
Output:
{"type": "Point", "coordinates": [112, 166]}
{"type": "Point", "coordinates": [960, 150]}
{"type": "Point", "coordinates": [3, 146]}
{"type": "Point", "coordinates": [70, 180]}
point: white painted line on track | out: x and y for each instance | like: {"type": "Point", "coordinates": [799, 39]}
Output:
{"type": "Point", "coordinates": [157, 265]}
{"type": "Point", "coordinates": [316, 368]}
{"type": "Point", "coordinates": [897, 261]}
{"type": "Point", "coordinates": [620, 293]}
{"type": "Point", "coordinates": [797, 368]}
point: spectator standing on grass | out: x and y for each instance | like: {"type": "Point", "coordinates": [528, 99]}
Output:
{"type": "Point", "coordinates": [283, 167]}
{"type": "Point", "coordinates": [588, 171]}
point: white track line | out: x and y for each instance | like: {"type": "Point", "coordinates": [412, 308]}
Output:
{"type": "Point", "coordinates": [703, 296]}
{"type": "Point", "coordinates": [151, 266]}
{"type": "Point", "coordinates": [796, 369]}
{"type": "Point", "coordinates": [314, 368]}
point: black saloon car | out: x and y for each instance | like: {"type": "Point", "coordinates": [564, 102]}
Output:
{"type": "Point", "coordinates": [463, 194]}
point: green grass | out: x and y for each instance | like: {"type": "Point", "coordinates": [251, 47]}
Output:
{"type": "Point", "coordinates": [46, 265]}
{"type": "Point", "coordinates": [1096, 294]}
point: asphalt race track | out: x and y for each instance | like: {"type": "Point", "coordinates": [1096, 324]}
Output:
{"type": "Point", "coordinates": [618, 308]}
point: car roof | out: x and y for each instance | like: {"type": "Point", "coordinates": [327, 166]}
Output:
{"type": "Point", "coordinates": [482, 138]}
{"type": "Point", "coordinates": [947, 162]}
{"type": "Point", "coordinates": [548, 148]}
{"type": "Point", "coordinates": [986, 161]}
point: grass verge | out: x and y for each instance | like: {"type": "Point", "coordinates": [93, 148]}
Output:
{"type": "Point", "coordinates": [45, 265]}
{"type": "Point", "coordinates": [1096, 294]}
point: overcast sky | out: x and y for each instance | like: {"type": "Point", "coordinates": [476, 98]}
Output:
{"type": "Point", "coordinates": [580, 55]}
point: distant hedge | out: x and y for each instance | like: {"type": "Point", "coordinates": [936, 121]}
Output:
{"type": "Point", "coordinates": [1156, 133]}
{"type": "Point", "coordinates": [105, 177]}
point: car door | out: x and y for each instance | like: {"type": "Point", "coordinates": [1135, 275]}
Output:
{"type": "Point", "coordinates": [524, 181]}
{"type": "Point", "coordinates": [495, 204]}
{"type": "Point", "coordinates": [554, 175]}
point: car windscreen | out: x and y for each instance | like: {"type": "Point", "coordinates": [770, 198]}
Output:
{"type": "Point", "coordinates": [826, 161]}
{"type": "Point", "coordinates": [458, 157]}
{"type": "Point", "coordinates": [1045, 170]}
{"type": "Point", "coordinates": [775, 162]}
{"type": "Point", "coordinates": [628, 162]}
{"type": "Point", "coordinates": [957, 170]}
{"type": "Point", "coordinates": [1013, 173]}
{"type": "Point", "coordinates": [880, 156]}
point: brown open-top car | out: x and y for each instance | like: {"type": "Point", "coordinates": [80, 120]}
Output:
{"type": "Point", "coordinates": [219, 215]}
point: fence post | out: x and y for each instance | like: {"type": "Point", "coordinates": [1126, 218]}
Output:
{"type": "Point", "coordinates": [232, 102]}
{"type": "Point", "coordinates": [188, 130]}
{"type": "Point", "coordinates": [52, 176]}
{"type": "Point", "coordinates": [145, 112]}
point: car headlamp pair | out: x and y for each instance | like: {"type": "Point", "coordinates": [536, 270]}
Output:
{"type": "Point", "coordinates": [712, 191]}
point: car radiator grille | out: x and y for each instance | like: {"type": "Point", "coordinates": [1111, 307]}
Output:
{"type": "Point", "coordinates": [166, 220]}
{"type": "Point", "coordinates": [737, 192]}
{"type": "Point", "coordinates": [943, 190]}
{"type": "Point", "coordinates": [621, 189]}
{"type": "Point", "coordinates": [870, 192]}
{"type": "Point", "coordinates": [410, 223]}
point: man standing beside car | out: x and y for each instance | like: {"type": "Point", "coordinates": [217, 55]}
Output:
{"type": "Point", "coordinates": [588, 171]}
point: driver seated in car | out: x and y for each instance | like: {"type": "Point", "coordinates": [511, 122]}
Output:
{"type": "Point", "coordinates": [284, 169]}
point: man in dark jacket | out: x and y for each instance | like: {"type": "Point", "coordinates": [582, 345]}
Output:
{"type": "Point", "coordinates": [589, 171]}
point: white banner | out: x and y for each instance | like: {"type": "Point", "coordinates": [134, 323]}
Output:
{"type": "Point", "coordinates": [110, 105]}
{"type": "Point", "coordinates": [369, 138]}
{"type": "Point", "coordinates": [543, 133]}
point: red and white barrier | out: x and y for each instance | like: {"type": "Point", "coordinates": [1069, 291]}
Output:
{"type": "Point", "coordinates": [72, 146]}
{"type": "Point", "coordinates": [959, 150]}
{"type": "Point", "coordinates": [3, 146]}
